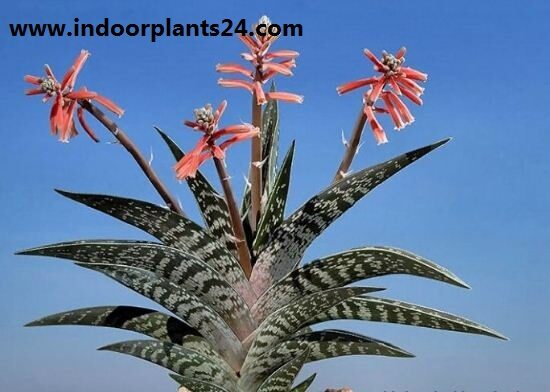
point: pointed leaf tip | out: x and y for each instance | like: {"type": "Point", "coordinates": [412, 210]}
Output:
{"type": "Point", "coordinates": [63, 192]}
{"type": "Point", "coordinates": [442, 142]}
{"type": "Point", "coordinates": [460, 283]}
{"type": "Point", "coordinates": [108, 347]}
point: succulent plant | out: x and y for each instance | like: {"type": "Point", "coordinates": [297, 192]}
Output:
{"type": "Point", "coordinates": [224, 332]}
{"type": "Point", "coordinates": [242, 309]}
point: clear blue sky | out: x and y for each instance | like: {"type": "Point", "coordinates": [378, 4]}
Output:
{"type": "Point", "coordinates": [479, 206]}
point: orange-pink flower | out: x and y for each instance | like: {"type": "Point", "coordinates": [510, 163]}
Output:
{"type": "Point", "coordinates": [206, 121]}
{"type": "Point", "coordinates": [395, 81]}
{"type": "Point", "coordinates": [265, 66]}
{"type": "Point", "coordinates": [65, 99]}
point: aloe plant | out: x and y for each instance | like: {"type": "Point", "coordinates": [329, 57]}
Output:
{"type": "Point", "coordinates": [224, 330]}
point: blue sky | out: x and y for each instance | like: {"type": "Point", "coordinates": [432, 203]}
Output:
{"type": "Point", "coordinates": [479, 206]}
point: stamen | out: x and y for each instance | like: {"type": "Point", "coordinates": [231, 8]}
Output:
{"type": "Point", "coordinates": [48, 86]}
{"type": "Point", "coordinates": [204, 117]}
{"type": "Point", "coordinates": [392, 62]}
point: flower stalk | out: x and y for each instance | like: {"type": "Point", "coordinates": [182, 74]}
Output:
{"type": "Point", "coordinates": [235, 216]}
{"type": "Point", "coordinates": [256, 185]}
{"type": "Point", "coordinates": [265, 66]}
{"type": "Point", "coordinates": [352, 146]}
{"type": "Point", "coordinates": [401, 81]}
{"type": "Point", "coordinates": [134, 151]}
{"type": "Point", "coordinates": [66, 101]}
{"type": "Point", "coordinates": [210, 145]}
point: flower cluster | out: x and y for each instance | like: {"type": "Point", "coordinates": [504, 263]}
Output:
{"type": "Point", "coordinates": [65, 99]}
{"type": "Point", "coordinates": [206, 121]}
{"type": "Point", "coordinates": [265, 66]}
{"type": "Point", "coordinates": [400, 80]}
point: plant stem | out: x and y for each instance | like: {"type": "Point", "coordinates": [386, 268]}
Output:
{"type": "Point", "coordinates": [129, 145]}
{"type": "Point", "coordinates": [256, 171]}
{"type": "Point", "coordinates": [236, 222]}
{"type": "Point", "coordinates": [353, 145]}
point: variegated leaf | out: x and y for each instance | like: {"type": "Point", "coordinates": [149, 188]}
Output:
{"type": "Point", "coordinates": [182, 303]}
{"type": "Point", "coordinates": [398, 312]}
{"type": "Point", "coordinates": [203, 347]}
{"type": "Point", "coordinates": [270, 150]}
{"type": "Point", "coordinates": [265, 365]}
{"type": "Point", "coordinates": [176, 358]}
{"type": "Point", "coordinates": [249, 235]}
{"type": "Point", "coordinates": [173, 230]}
{"type": "Point", "coordinates": [149, 322]}
{"type": "Point", "coordinates": [245, 203]}
{"type": "Point", "coordinates": [323, 344]}
{"type": "Point", "coordinates": [179, 267]}
{"type": "Point", "coordinates": [195, 385]}
{"type": "Point", "coordinates": [289, 319]}
{"type": "Point", "coordinates": [283, 378]}
{"type": "Point", "coordinates": [211, 204]}
{"type": "Point", "coordinates": [347, 267]}
{"type": "Point", "coordinates": [274, 210]}
{"type": "Point", "coordinates": [331, 343]}
{"type": "Point", "coordinates": [289, 242]}
{"type": "Point", "coordinates": [270, 141]}
{"type": "Point", "coordinates": [304, 385]}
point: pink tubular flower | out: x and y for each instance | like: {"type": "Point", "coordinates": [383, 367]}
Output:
{"type": "Point", "coordinates": [265, 66]}
{"type": "Point", "coordinates": [394, 81]}
{"type": "Point", "coordinates": [206, 121]}
{"type": "Point", "coordinates": [65, 99]}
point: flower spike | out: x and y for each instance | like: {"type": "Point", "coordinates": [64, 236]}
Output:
{"type": "Point", "coordinates": [206, 121]}
{"type": "Point", "coordinates": [265, 65]}
{"type": "Point", "coordinates": [394, 81]}
{"type": "Point", "coordinates": [65, 99]}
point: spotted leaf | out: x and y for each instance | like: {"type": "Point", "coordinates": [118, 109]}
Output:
{"type": "Point", "coordinates": [173, 230]}
{"type": "Point", "coordinates": [289, 242]}
{"type": "Point", "coordinates": [347, 267]}
{"type": "Point", "coordinates": [274, 210]}
{"type": "Point", "coordinates": [283, 378]}
{"type": "Point", "coordinates": [149, 322]}
{"type": "Point", "coordinates": [183, 304]}
{"type": "Point", "coordinates": [196, 385]}
{"type": "Point", "coordinates": [289, 319]}
{"type": "Point", "coordinates": [397, 312]}
{"type": "Point", "coordinates": [179, 267]}
{"type": "Point", "coordinates": [270, 141]}
{"type": "Point", "coordinates": [178, 359]}
{"type": "Point", "coordinates": [211, 204]}
{"type": "Point", "coordinates": [304, 385]}
{"type": "Point", "coordinates": [323, 344]}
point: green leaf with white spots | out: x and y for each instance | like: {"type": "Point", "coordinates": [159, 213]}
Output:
{"type": "Point", "coordinates": [179, 267]}
{"type": "Point", "coordinates": [195, 385]}
{"type": "Point", "coordinates": [289, 242]}
{"type": "Point", "coordinates": [289, 319]}
{"type": "Point", "coordinates": [274, 210]}
{"type": "Point", "coordinates": [397, 312]}
{"type": "Point", "coordinates": [245, 203]}
{"type": "Point", "coordinates": [212, 205]}
{"type": "Point", "coordinates": [270, 150]}
{"type": "Point", "coordinates": [304, 385]}
{"type": "Point", "coordinates": [182, 303]}
{"type": "Point", "coordinates": [332, 343]}
{"type": "Point", "coordinates": [323, 344]}
{"type": "Point", "coordinates": [149, 322]}
{"type": "Point", "coordinates": [177, 359]}
{"type": "Point", "coordinates": [283, 378]}
{"type": "Point", "coordinates": [348, 267]}
{"type": "Point", "coordinates": [203, 347]}
{"type": "Point", "coordinates": [270, 142]}
{"type": "Point", "coordinates": [172, 230]}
